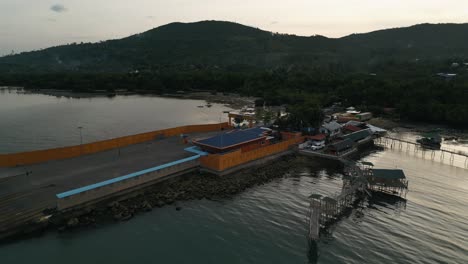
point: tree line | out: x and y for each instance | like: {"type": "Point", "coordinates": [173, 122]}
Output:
{"type": "Point", "coordinates": [415, 91]}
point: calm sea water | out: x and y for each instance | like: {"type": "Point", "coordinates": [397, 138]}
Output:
{"type": "Point", "coordinates": [265, 224]}
{"type": "Point", "coordinates": [37, 121]}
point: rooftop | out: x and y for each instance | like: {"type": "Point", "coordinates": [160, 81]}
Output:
{"type": "Point", "coordinates": [355, 123]}
{"type": "Point", "coordinates": [318, 137]}
{"type": "Point", "coordinates": [332, 126]}
{"type": "Point", "coordinates": [352, 128]}
{"type": "Point", "coordinates": [375, 129]}
{"type": "Point", "coordinates": [367, 163]}
{"type": "Point", "coordinates": [389, 174]}
{"type": "Point", "coordinates": [232, 138]}
{"type": "Point", "coordinates": [359, 135]}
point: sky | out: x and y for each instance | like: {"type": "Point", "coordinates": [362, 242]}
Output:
{"type": "Point", "coordinates": [36, 24]}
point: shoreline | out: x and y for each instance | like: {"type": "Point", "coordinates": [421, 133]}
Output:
{"type": "Point", "coordinates": [234, 101]}
{"type": "Point", "coordinates": [413, 126]}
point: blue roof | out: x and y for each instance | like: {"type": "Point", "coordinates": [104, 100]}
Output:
{"type": "Point", "coordinates": [232, 138]}
{"type": "Point", "coordinates": [125, 177]}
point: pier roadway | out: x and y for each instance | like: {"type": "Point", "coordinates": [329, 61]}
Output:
{"type": "Point", "coordinates": [26, 191]}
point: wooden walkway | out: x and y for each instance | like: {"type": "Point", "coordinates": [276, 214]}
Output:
{"type": "Point", "coordinates": [358, 180]}
{"type": "Point", "coordinates": [416, 148]}
{"type": "Point", "coordinates": [326, 210]}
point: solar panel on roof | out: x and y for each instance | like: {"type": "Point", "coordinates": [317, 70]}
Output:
{"type": "Point", "coordinates": [232, 138]}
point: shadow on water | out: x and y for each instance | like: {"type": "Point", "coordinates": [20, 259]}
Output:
{"type": "Point", "coordinates": [358, 210]}
{"type": "Point", "coordinates": [313, 253]}
{"type": "Point", "coordinates": [386, 200]}
{"type": "Point", "coordinates": [326, 231]}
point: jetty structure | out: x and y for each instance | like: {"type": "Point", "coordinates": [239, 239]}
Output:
{"type": "Point", "coordinates": [36, 184]}
{"type": "Point", "coordinates": [417, 148]}
{"type": "Point", "coordinates": [339, 146]}
{"type": "Point", "coordinates": [360, 179]}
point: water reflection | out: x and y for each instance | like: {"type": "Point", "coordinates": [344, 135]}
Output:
{"type": "Point", "coordinates": [363, 205]}
{"type": "Point", "coordinates": [387, 201]}
{"type": "Point", "coordinates": [33, 121]}
{"type": "Point", "coordinates": [313, 252]}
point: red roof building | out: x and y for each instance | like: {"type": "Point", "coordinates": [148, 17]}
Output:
{"type": "Point", "coordinates": [352, 128]}
{"type": "Point", "coordinates": [318, 137]}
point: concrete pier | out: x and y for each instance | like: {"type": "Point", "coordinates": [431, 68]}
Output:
{"type": "Point", "coordinates": [28, 190]}
{"type": "Point", "coordinates": [66, 179]}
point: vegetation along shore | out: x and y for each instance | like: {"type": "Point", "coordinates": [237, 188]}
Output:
{"type": "Point", "coordinates": [417, 73]}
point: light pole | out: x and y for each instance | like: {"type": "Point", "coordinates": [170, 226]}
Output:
{"type": "Point", "coordinates": [81, 135]}
{"type": "Point", "coordinates": [81, 139]}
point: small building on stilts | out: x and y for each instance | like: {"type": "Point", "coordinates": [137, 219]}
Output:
{"type": "Point", "coordinates": [388, 181]}
{"type": "Point", "coordinates": [359, 179]}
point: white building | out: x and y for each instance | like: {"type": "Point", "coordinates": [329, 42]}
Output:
{"type": "Point", "coordinates": [332, 129]}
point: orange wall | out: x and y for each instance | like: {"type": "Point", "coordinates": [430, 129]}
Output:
{"type": "Point", "coordinates": [220, 162]}
{"type": "Point", "coordinates": [23, 158]}
{"type": "Point", "coordinates": [255, 145]}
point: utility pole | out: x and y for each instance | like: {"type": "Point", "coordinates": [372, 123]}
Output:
{"type": "Point", "coordinates": [81, 135]}
{"type": "Point", "coordinates": [81, 139]}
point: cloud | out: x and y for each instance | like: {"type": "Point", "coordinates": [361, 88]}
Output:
{"type": "Point", "coordinates": [274, 22]}
{"type": "Point", "coordinates": [58, 8]}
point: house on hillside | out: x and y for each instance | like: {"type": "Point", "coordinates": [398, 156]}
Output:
{"type": "Point", "coordinates": [332, 129]}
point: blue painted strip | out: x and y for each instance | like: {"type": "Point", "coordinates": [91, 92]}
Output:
{"type": "Point", "coordinates": [196, 150]}
{"type": "Point", "coordinates": [125, 177]}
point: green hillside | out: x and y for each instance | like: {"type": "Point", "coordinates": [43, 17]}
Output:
{"type": "Point", "coordinates": [225, 43]}
{"type": "Point", "coordinates": [421, 42]}
{"type": "Point", "coordinates": [206, 43]}
{"type": "Point", "coordinates": [394, 68]}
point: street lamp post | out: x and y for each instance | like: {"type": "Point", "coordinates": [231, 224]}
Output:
{"type": "Point", "coordinates": [81, 139]}
{"type": "Point", "coordinates": [81, 135]}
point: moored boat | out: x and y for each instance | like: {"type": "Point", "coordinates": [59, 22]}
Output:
{"type": "Point", "coordinates": [430, 140]}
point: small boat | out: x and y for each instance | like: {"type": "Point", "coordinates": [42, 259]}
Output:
{"type": "Point", "coordinates": [430, 141]}
{"type": "Point", "coordinates": [200, 106]}
{"type": "Point", "coordinates": [209, 105]}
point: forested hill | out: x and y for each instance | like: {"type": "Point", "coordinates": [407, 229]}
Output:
{"type": "Point", "coordinates": [419, 42]}
{"type": "Point", "coordinates": [215, 43]}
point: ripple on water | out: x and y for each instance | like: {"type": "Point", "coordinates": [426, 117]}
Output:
{"type": "Point", "coordinates": [267, 224]}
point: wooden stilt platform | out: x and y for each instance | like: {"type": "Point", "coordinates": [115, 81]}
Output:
{"type": "Point", "coordinates": [358, 179]}
{"type": "Point", "coordinates": [416, 148]}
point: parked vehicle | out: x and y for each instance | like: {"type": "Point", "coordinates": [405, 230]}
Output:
{"type": "Point", "coordinates": [317, 145]}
